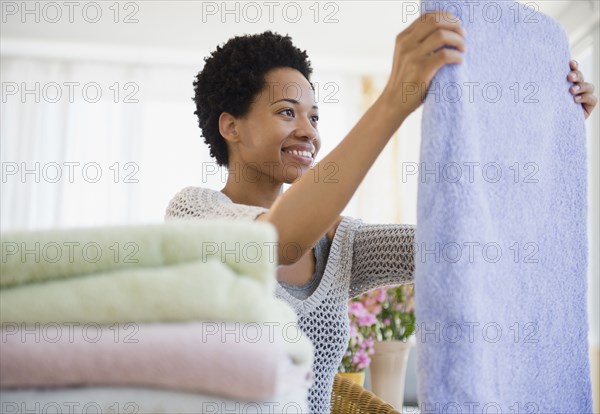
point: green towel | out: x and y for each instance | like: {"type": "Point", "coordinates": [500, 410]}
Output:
{"type": "Point", "coordinates": [35, 256]}
{"type": "Point", "coordinates": [180, 292]}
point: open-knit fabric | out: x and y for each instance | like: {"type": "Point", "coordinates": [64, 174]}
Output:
{"type": "Point", "coordinates": [321, 253]}
{"type": "Point", "coordinates": [361, 257]}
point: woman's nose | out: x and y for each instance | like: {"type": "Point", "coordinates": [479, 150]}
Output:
{"type": "Point", "coordinates": [307, 130]}
{"type": "Point", "coordinates": [312, 134]}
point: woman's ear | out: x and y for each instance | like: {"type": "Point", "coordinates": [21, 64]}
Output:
{"type": "Point", "coordinates": [228, 127]}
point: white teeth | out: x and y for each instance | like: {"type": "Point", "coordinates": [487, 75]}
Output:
{"type": "Point", "coordinates": [303, 153]}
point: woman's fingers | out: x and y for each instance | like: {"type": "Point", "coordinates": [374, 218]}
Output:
{"type": "Point", "coordinates": [436, 60]}
{"type": "Point", "coordinates": [583, 91]}
{"type": "Point", "coordinates": [582, 88]}
{"type": "Point", "coordinates": [575, 76]}
{"type": "Point", "coordinates": [587, 98]}
{"type": "Point", "coordinates": [588, 101]}
{"type": "Point", "coordinates": [439, 29]}
{"type": "Point", "coordinates": [434, 21]}
{"type": "Point", "coordinates": [432, 49]}
{"type": "Point", "coordinates": [414, 61]}
{"type": "Point", "coordinates": [440, 38]}
{"type": "Point", "coordinates": [573, 64]}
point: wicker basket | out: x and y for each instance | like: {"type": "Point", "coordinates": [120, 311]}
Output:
{"type": "Point", "coordinates": [350, 398]}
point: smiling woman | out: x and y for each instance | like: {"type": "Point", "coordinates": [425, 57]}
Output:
{"type": "Point", "coordinates": [279, 130]}
{"type": "Point", "coordinates": [255, 100]}
{"type": "Point", "coordinates": [257, 111]}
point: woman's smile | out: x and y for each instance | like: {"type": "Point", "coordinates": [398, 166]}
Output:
{"type": "Point", "coordinates": [303, 154]}
{"type": "Point", "coordinates": [303, 159]}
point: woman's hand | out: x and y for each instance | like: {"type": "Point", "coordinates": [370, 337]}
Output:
{"type": "Point", "coordinates": [583, 91]}
{"type": "Point", "coordinates": [415, 63]}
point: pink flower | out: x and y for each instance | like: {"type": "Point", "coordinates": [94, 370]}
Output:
{"type": "Point", "coordinates": [366, 319]}
{"type": "Point", "coordinates": [361, 360]}
{"type": "Point", "coordinates": [356, 308]}
{"type": "Point", "coordinates": [367, 322]}
{"type": "Point", "coordinates": [381, 295]}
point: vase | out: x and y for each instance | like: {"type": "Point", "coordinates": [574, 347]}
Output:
{"type": "Point", "coordinates": [388, 370]}
{"type": "Point", "coordinates": [356, 377]}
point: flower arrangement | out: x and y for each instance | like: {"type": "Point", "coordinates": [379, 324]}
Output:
{"type": "Point", "coordinates": [393, 307]}
{"type": "Point", "coordinates": [382, 314]}
{"type": "Point", "coordinates": [362, 338]}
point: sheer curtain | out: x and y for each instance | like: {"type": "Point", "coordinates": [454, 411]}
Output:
{"type": "Point", "coordinates": [60, 135]}
{"type": "Point", "coordinates": [388, 193]}
{"type": "Point", "coordinates": [86, 144]}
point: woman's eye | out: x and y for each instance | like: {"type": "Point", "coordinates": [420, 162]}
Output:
{"type": "Point", "coordinates": [290, 112]}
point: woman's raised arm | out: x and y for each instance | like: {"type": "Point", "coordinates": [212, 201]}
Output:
{"type": "Point", "coordinates": [313, 203]}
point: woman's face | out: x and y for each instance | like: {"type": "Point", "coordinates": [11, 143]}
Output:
{"type": "Point", "coordinates": [283, 116]}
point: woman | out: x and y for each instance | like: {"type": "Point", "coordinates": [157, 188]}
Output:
{"type": "Point", "coordinates": [265, 132]}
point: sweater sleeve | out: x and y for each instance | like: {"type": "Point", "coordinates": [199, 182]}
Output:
{"type": "Point", "coordinates": [203, 203]}
{"type": "Point", "coordinates": [383, 254]}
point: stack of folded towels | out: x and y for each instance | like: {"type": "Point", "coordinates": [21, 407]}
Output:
{"type": "Point", "coordinates": [165, 318]}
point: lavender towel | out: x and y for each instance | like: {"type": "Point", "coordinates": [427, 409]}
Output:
{"type": "Point", "coordinates": [501, 238]}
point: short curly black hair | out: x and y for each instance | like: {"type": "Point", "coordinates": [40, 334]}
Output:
{"type": "Point", "coordinates": [234, 74]}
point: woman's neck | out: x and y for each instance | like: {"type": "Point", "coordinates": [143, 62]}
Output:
{"type": "Point", "coordinates": [252, 194]}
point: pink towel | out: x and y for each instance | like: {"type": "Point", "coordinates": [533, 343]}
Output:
{"type": "Point", "coordinates": [235, 360]}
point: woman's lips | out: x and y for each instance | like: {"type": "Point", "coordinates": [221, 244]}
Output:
{"type": "Point", "coordinates": [299, 158]}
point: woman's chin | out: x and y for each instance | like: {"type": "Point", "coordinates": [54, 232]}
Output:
{"type": "Point", "coordinates": [292, 172]}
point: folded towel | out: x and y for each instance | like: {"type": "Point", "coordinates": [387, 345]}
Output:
{"type": "Point", "coordinates": [143, 401]}
{"type": "Point", "coordinates": [239, 361]}
{"type": "Point", "coordinates": [500, 276]}
{"type": "Point", "coordinates": [34, 256]}
{"type": "Point", "coordinates": [188, 291]}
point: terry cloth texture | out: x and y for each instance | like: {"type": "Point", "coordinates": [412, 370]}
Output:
{"type": "Point", "coordinates": [502, 250]}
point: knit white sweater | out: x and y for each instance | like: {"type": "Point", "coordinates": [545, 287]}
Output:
{"type": "Point", "coordinates": [361, 257]}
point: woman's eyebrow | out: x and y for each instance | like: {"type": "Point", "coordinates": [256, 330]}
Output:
{"type": "Point", "coordinates": [292, 101]}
